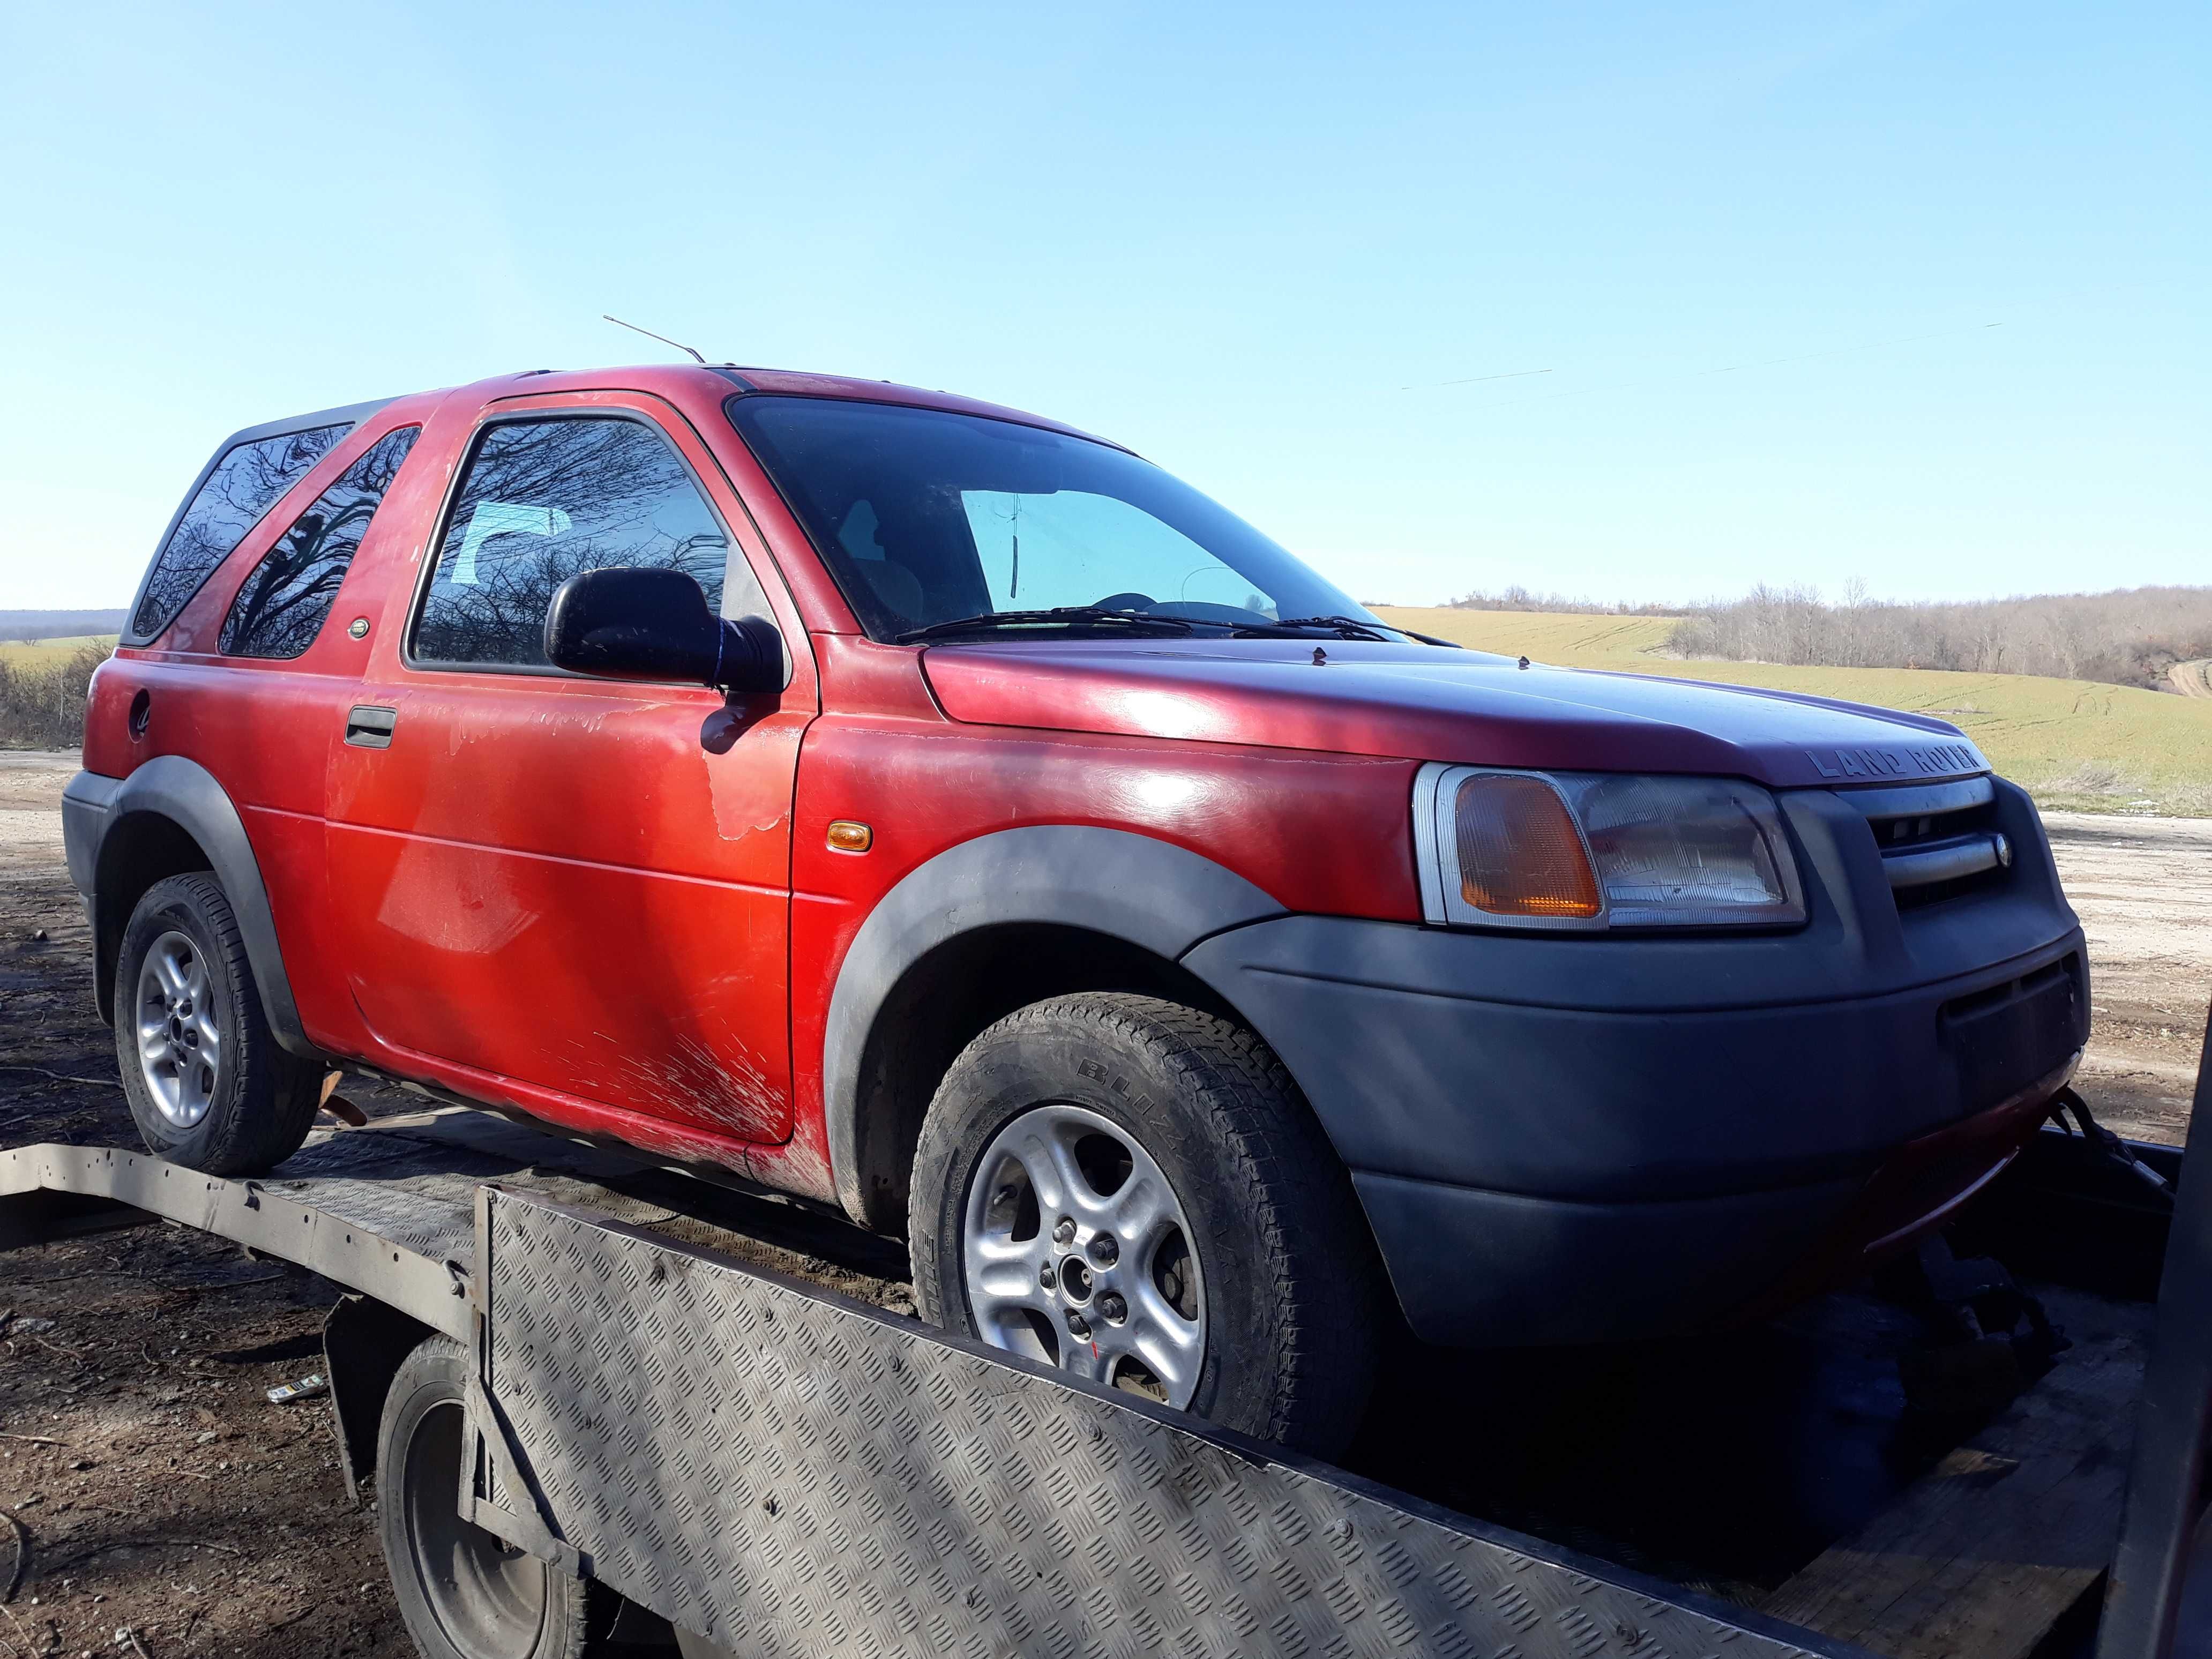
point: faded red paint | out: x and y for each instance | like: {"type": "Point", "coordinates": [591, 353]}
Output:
{"type": "Point", "coordinates": [547, 896]}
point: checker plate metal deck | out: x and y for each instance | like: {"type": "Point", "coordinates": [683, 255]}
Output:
{"type": "Point", "coordinates": [787, 1473]}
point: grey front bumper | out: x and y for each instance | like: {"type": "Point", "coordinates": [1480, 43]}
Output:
{"type": "Point", "coordinates": [1562, 1138]}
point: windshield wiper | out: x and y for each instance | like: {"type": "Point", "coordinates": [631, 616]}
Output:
{"type": "Point", "coordinates": [1065, 616]}
{"type": "Point", "coordinates": [1345, 628]}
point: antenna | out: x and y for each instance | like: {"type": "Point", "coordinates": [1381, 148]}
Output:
{"type": "Point", "coordinates": [650, 335]}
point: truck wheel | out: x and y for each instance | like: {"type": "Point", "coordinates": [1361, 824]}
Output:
{"type": "Point", "coordinates": [463, 1592]}
{"type": "Point", "coordinates": [208, 1084]}
{"type": "Point", "coordinates": [1134, 1191]}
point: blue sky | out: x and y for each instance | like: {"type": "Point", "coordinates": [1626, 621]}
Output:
{"type": "Point", "coordinates": [1909, 293]}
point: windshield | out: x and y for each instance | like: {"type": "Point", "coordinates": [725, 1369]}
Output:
{"type": "Point", "coordinates": [924, 517]}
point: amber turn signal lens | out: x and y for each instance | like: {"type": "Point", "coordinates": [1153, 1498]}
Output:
{"type": "Point", "coordinates": [1520, 853]}
{"type": "Point", "coordinates": [846, 836]}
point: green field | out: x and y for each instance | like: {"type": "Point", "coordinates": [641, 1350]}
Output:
{"type": "Point", "coordinates": [2076, 744]}
{"type": "Point", "coordinates": [40, 653]}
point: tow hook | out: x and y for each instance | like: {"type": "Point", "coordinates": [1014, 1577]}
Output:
{"type": "Point", "coordinates": [2114, 1149]}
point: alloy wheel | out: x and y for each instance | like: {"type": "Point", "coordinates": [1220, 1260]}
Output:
{"type": "Point", "coordinates": [1076, 1251]}
{"type": "Point", "coordinates": [180, 1037]}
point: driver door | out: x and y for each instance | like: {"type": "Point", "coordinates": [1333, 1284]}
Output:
{"type": "Point", "coordinates": [574, 891]}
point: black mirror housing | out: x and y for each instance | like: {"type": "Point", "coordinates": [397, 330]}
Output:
{"type": "Point", "coordinates": [635, 623]}
{"type": "Point", "coordinates": [752, 657]}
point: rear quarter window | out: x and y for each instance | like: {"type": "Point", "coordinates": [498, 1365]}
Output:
{"type": "Point", "coordinates": [281, 607]}
{"type": "Point", "coordinates": [245, 483]}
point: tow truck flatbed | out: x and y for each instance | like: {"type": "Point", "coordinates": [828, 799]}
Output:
{"type": "Point", "coordinates": [774, 1468]}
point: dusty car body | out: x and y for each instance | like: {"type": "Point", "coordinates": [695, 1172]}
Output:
{"type": "Point", "coordinates": [1615, 1003]}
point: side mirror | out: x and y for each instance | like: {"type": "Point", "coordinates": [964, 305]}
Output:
{"type": "Point", "coordinates": [634, 622]}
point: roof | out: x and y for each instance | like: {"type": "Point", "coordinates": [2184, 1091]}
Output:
{"type": "Point", "coordinates": [801, 383]}
{"type": "Point", "coordinates": [750, 380]}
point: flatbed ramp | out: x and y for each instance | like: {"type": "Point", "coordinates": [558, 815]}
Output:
{"type": "Point", "coordinates": [783, 1471]}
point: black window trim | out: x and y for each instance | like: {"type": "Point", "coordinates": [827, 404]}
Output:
{"type": "Point", "coordinates": [350, 416]}
{"type": "Point", "coordinates": [433, 551]}
{"type": "Point", "coordinates": [369, 448]}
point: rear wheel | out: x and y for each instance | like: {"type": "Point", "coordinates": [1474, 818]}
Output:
{"type": "Point", "coordinates": [463, 1592]}
{"type": "Point", "coordinates": [1134, 1191]}
{"type": "Point", "coordinates": [209, 1085]}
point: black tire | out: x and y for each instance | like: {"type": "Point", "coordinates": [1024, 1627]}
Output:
{"type": "Point", "coordinates": [262, 1099]}
{"type": "Point", "coordinates": [463, 1593]}
{"type": "Point", "coordinates": [1294, 1289]}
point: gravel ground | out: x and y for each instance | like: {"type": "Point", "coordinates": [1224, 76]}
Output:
{"type": "Point", "coordinates": [167, 1508]}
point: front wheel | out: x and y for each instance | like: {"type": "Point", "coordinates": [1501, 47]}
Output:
{"type": "Point", "coordinates": [1134, 1191]}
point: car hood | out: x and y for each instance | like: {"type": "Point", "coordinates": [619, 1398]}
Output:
{"type": "Point", "coordinates": [1421, 703]}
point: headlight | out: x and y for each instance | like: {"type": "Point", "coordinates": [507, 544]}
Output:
{"type": "Point", "coordinates": [1588, 851]}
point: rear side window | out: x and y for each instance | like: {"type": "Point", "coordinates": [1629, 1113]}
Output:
{"type": "Point", "coordinates": [245, 484]}
{"type": "Point", "coordinates": [545, 500]}
{"type": "Point", "coordinates": [281, 608]}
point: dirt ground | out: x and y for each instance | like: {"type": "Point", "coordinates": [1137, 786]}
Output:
{"type": "Point", "coordinates": [167, 1507]}
{"type": "Point", "coordinates": [2144, 887]}
{"type": "Point", "coordinates": [164, 1507]}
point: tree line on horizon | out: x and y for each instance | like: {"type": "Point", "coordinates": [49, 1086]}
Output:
{"type": "Point", "coordinates": [58, 624]}
{"type": "Point", "coordinates": [2126, 637]}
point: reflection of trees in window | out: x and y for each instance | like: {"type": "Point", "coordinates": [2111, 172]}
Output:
{"type": "Point", "coordinates": [281, 608]}
{"type": "Point", "coordinates": [545, 501]}
{"type": "Point", "coordinates": [245, 484]}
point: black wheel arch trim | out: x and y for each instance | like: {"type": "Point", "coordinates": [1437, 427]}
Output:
{"type": "Point", "coordinates": [1129, 886]}
{"type": "Point", "coordinates": [187, 794]}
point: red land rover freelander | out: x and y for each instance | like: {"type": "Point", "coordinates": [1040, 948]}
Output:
{"type": "Point", "coordinates": [934, 812]}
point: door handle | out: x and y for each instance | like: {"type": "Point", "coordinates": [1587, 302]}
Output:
{"type": "Point", "coordinates": [370, 728]}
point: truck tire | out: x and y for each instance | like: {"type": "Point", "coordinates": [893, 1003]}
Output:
{"type": "Point", "coordinates": [1135, 1191]}
{"type": "Point", "coordinates": [463, 1593]}
{"type": "Point", "coordinates": [209, 1085]}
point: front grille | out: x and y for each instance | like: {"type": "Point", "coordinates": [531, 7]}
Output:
{"type": "Point", "coordinates": [1938, 842]}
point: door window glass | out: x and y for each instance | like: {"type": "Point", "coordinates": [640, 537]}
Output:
{"type": "Point", "coordinates": [545, 500]}
{"type": "Point", "coordinates": [245, 484]}
{"type": "Point", "coordinates": [279, 610]}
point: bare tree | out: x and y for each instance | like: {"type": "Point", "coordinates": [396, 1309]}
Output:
{"type": "Point", "coordinates": [2126, 637]}
{"type": "Point", "coordinates": [1517, 598]}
